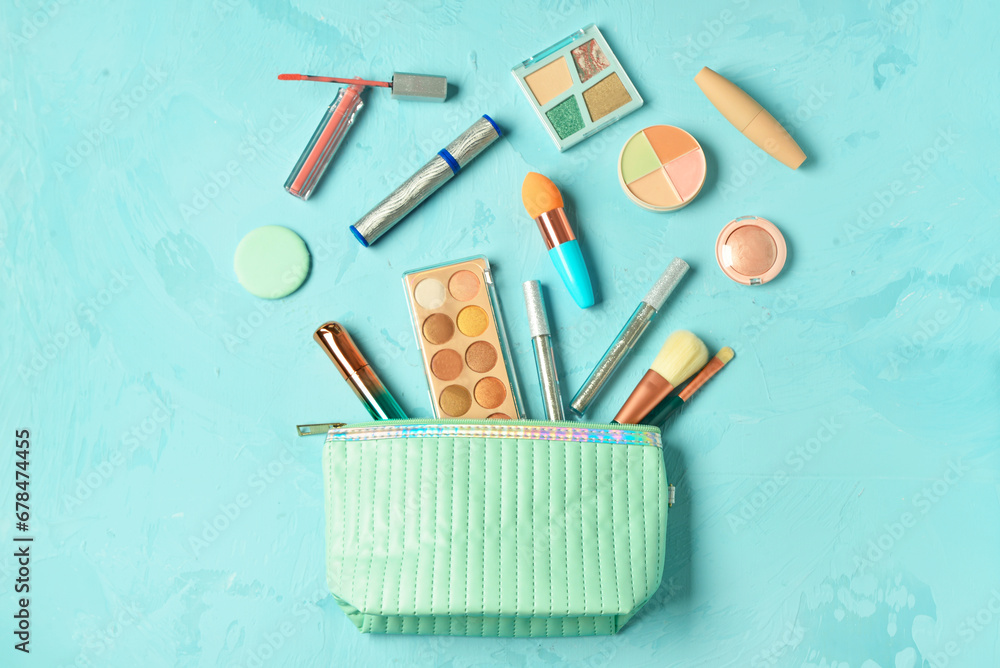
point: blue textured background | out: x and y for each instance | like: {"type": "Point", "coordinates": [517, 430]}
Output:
{"type": "Point", "coordinates": [837, 483]}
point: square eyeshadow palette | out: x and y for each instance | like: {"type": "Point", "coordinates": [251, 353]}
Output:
{"type": "Point", "coordinates": [577, 87]}
{"type": "Point", "coordinates": [456, 320]}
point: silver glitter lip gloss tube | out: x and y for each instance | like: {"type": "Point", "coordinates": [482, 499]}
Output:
{"type": "Point", "coordinates": [439, 169]}
{"type": "Point", "coordinates": [630, 334]}
{"type": "Point", "coordinates": [541, 339]}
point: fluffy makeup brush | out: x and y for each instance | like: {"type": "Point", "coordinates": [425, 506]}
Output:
{"type": "Point", "coordinates": [660, 414]}
{"type": "Point", "coordinates": [681, 356]}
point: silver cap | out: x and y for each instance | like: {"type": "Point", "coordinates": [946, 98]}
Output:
{"type": "Point", "coordinates": [666, 283]}
{"type": "Point", "coordinates": [538, 321]}
{"type": "Point", "coordinates": [423, 87]}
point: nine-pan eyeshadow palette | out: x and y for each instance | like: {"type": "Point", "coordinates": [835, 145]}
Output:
{"type": "Point", "coordinates": [577, 87]}
{"type": "Point", "coordinates": [456, 320]}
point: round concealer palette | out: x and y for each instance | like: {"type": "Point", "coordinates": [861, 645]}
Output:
{"type": "Point", "coordinates": [662, 168]}
{"type": "Point", "coordinates": [460, 341]}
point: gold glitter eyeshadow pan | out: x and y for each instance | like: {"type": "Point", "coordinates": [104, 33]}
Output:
{"type": "Point", "coordinates": [456, 319]}
{"type": "Point", "coordinates": [577, 87]}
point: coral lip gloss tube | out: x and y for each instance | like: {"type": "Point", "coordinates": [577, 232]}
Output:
{"type": "Point", "coordinates": [325, 141]}
{"type": "Point", "coordinates": [340, 348]}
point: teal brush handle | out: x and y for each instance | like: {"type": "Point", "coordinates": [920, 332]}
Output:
{"type": "Point", "coordinates": [663, 410]}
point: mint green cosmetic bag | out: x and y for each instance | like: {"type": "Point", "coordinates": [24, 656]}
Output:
{"type": "Point", "coordinates": [494, 528]}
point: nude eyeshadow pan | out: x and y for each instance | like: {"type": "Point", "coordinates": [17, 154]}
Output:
{"type": "Point", "coordinates": [457, 323]}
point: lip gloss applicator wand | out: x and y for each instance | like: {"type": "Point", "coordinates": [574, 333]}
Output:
{"type": "Point", "coordinates": [420, 87]}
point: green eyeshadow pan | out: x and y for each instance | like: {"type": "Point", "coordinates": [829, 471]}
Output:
{"type": "Point", "coordinates": [565, 117]}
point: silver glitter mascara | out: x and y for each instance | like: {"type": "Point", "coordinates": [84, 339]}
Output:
{"type": "Point", "coordinates": [541, 339]}
{"type": "Point", "coordinates": [439, 169]}
{"type": "Point", "coordinates": [629, 336]}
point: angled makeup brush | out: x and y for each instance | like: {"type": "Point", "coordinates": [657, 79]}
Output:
{"type": "Point", "coordinates": [681, 356]}
{"type": "Point", "coordinates": [666, 407]}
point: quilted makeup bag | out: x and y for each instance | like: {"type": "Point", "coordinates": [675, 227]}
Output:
{"type": "Point", "coordinates": [494, 528]}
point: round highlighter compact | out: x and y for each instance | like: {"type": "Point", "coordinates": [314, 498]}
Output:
{"type": "Point", "coordinates": [751, 250]}
{"type": "Point", "coordinates": [662, 168]}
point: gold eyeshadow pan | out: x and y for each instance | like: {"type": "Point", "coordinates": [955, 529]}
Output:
{"type": "Point", "coordinates": [457, 323]}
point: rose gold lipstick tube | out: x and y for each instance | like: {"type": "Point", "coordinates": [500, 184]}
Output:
{"type": "Point", "coordinates": [340, 348]}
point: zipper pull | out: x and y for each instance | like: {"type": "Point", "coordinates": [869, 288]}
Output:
{"type": "Point", "coordinates": [313, 429]}
{"type": "Point", "coordinates": [670, 495]}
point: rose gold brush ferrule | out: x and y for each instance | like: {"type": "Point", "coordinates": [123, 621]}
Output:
{"type": "Point", "coordinates": [555, 228]}
{"type": "Point", "coordinates": [651, 390]}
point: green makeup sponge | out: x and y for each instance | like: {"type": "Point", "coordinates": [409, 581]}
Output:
{"type": "Point", "coordinates": [271, 262]}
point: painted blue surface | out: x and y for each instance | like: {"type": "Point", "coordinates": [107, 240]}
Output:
{"type": "Point", "coordinates": [838, 497]}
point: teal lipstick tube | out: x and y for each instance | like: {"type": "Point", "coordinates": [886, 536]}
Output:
{"type": "Point", "coordinates": [339, 347]}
